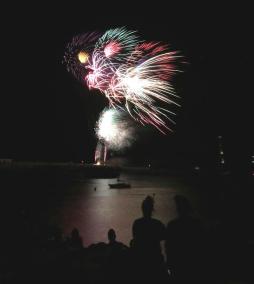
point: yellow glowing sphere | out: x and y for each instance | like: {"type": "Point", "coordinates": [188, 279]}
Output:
{"type": "Point", "coordinates": [83, 57]}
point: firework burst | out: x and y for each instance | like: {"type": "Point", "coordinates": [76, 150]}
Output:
{"type": "Point", "coordinates": [117, 44]}
{"type": "Point", "coordinates": [141, 87]}
{"type": "Point", "coordinates": [129, 72]}
{"type": "Point", "coordinates": [110, 51]}
{"type": "Point", "coordinates": [78, 53]}
{"type": "Point", "coordinates": [114, 130]}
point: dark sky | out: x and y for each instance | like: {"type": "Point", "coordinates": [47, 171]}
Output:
{"type": "Point", "coordinates": [47, 115]}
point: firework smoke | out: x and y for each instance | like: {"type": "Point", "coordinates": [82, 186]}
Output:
{"type": "Point", "coordinates": [100, 155]}
{"type": "Point", "coordinates": [114, 130]}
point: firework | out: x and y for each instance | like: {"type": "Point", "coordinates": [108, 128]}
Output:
{"type": "Point", "coordinates": [142, 86]}
{"type": "Point", "coordinates": [129, 72]}
{"type": "Point", "coordinates": [78, 53]}
{"type": "Point", "coordinates": [114, 130]}
{"type": "Point", "coordinates": [117, 44]}
{"type": "Point", "coordinates": [110, 51]}
{"type": "Point", "coordinates": [100, 155]}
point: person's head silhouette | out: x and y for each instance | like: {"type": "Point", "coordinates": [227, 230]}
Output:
{"type": "Point", "coordinates": [147, 206]}
{"type": "Point", "coordinates": [75, 233]}
{"type": "Point", "coordinates": [183, 206]}
{"type": "Point", "coordinates": [111, 235]}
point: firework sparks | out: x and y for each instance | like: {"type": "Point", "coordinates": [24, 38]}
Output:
{"type": "Point", "coordinates": [118, 42]}
{"type": "Point", "coordinates": [113, 130]}
{"type": "Point", "coordinates": [100, 155]}
{"type": "Point", "coordinates": [141, 86]}
{"type": "Point", "coordinates": [78, 52]}
{"type": "Point", "coordinates": [111, 50]}
{"type": "Point", "coordinates": [130, 72]}
{"type": "Point", "coordinates": [83, 57]}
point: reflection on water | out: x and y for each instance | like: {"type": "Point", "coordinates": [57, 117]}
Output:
{"type": "Point", "coordinates": [94, 211]}
{"type": "Point", "coordinates": [41, 201]}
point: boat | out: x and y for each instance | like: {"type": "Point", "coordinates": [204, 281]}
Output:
{"type": "Point", "coordinates": [119, 185]}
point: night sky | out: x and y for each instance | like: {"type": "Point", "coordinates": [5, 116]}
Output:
{"type": "Point", "coordinates": [47, 115]}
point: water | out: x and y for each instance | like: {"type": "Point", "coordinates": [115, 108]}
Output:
{"type": "Point", "coordinates": [29, 206]}
{"type": "Point", "coordinates": [94, 212]}
{"type": "Point", "coordinates": [75, 203]}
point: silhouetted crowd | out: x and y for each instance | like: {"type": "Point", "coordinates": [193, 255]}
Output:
{"type": "Point", "coordinates": [184, 251]}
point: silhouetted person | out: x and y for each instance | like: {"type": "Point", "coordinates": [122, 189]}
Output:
{"type": "Point", "coordinates": [115, 264]}
{"type": "Point", "coordinates": [115, 248]}
{"type": "Point", "coordinates": [112, 239]}
{"type": "Point", "coordinates": [75, 242]}
{"type": "Point", "coordinates": [147, 235]}
{"type": "Point", "coordinates": [111, 236]}
{"type": "Point", "coordinates": [55, 240]}
{"type": "Point", "coordinates": [185, 248]}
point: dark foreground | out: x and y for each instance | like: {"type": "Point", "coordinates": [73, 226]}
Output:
{"type": "Point", "coordinates": [221, 250]}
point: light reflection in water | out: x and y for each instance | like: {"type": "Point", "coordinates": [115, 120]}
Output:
{"type": "Point", "coordinates": [94, 212]}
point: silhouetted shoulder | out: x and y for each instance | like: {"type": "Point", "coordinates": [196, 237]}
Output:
{"type": "Point", "coordinates": [185, 226]}
{"type": "Point", "coordinates": [148, 228]}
